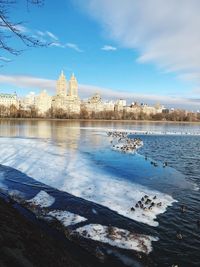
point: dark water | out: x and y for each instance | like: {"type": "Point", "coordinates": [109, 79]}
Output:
{"type": "Point", "coordinates": [181, 179]}
{"type": "Point", "coordinates": [183, 154]}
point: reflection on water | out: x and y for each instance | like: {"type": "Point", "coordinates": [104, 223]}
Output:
{"type": "Point", "coordinates": [70, 133]}
{"type": "Point", "coordinates": [59, 131]}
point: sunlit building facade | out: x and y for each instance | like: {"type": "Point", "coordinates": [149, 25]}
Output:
{"type": "Point", "coordinates": [66, 101]}
{"type": "Point", "coordinates": [66, 97]}
{"type": "Point", "coordinates": [8, 100]}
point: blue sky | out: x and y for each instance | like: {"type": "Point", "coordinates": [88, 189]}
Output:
{"type": "Point", "coordinates": [117, 48]}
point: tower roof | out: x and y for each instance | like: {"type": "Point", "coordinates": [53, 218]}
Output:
{"type": "Point", "coordinates": [62, 75]}
{"type": "Point", "coordinates": [73, 77]}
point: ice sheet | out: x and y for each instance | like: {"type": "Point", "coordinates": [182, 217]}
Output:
{"type": "Point", "coordinates": [74, 173]}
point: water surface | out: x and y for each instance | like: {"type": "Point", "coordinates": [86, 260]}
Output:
{"type": "Point", "coordinates": [73, 149]}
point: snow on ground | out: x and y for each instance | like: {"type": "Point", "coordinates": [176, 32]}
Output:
{"type": "Point", "coordinates": [66, 218]}
{"type": "Point", "coordinates": [117, 237]}
{"type": "Point", "coordinates": [42, 199]}
{"type": "Point", "coordinates": [72, 172]}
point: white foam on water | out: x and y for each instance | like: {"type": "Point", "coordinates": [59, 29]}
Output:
{"type": "Point", "coordinates": [117, 237]}
{"type": "Point", "coordinates": [72, 172]}
{"type": "Point", "coordinates": [66, 218]}
{"type": "Point", "coordinates": [42, 199]}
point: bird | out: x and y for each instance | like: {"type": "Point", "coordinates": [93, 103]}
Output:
{"type": "Point", "coordinates": [183, 208]}
{"type": "Point", "coordinates": [164, 164]}
{"type": "Point", "coordinates": [179, 236]}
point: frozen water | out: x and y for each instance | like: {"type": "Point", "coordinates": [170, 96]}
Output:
{"type": "Point", "coordinates": [72, 172]}
{"type": "Point", "coordinates": [117, 237]}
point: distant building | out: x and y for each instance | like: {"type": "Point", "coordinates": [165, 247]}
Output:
{"type": "Point", "coordinates": [43, 102]}
{"type": "Point", "coordinates": [8, 100]}
{"type": "Point", "coordinates": [28, 101]}
{"type": "Point", "coordinates": [95, 104]}
{"type": "Point", "coordinates": [109, 106]}
{"type": "Point", "coordinates": [66, 100]}
{"type": "Point", "coordinates": [66, 95]}
{"type": "Point", "coordinates": [120, 104]}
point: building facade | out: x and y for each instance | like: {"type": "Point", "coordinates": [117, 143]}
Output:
{"type": "Point", "coordinates": [67, 101]}
{"type": "Point", "coordinates": [95, 104]}
{"type": "Point", "coordinates": [66, 98]}
{"type": "Point", "coordinates": [8, 100]}
{"type": "Point", "coordinates": [43, 103]}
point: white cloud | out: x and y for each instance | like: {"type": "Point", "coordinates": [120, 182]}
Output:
{"type": "Point", "coordinates": [74, 46]}
{"type": "Point", "coordinates": [40, 33]}
{"type": "Point", "coordinates": [57, 44]}
{"type": "Point", "coordinates": [5, 59]}
{"type": "Point", "coordinates": [108, 48]}
{"type": "Point", "coordinates": [27, 81]}
{"type": "Point", "coordinates": [68, 45]}
{"type": "Point", "coordinates": [18, 27]}
{"type": "Point", "coordinates": [46, 36]}
{"type": "Point", "coordinates": [85, 91]}
{"type": "Point", "coordinates": [52, 36]}
{"type": "Point", "coordinates": [22, 28]}
{"type": "Point", "coordinates": [165, 33]}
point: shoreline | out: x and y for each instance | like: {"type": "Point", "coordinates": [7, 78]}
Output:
{"type": "Point", "coordinates": [27, 241]}
{"type": "Point", "coordinates": [100, 120]}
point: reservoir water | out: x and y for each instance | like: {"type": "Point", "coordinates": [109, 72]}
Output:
{"type": "Point", "coordinates": [74, 163]}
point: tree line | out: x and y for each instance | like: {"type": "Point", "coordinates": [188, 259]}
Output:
{"type": "Point", "coordinates": [32, 112]}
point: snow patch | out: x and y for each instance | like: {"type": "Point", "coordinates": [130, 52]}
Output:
{"type": "Point", "coordinates": [42, 199]}
{"type": "Point", "coordinates": [117, 237]}
{"type": "Point", "coordinates": [66, 218]}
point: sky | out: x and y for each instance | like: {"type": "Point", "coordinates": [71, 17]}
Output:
{"type": "Point", "coordinates": [146, 51]}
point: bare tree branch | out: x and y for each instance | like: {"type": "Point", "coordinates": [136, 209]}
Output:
{"type": "Point", "coordinates": [10, 29]}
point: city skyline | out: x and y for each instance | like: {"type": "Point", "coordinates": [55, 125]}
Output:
{"type": "Point", "coordinates": [113, 63]}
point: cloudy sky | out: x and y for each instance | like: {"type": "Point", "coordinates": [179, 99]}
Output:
{"type": "Point", "coordinates": [146, 50]}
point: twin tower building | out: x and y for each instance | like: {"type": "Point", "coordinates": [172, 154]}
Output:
{"type": "Point", "coordinates": [66, 97]}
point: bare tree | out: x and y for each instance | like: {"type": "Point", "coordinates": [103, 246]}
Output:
{"type": "Point", "coordinates": [11, 29]}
